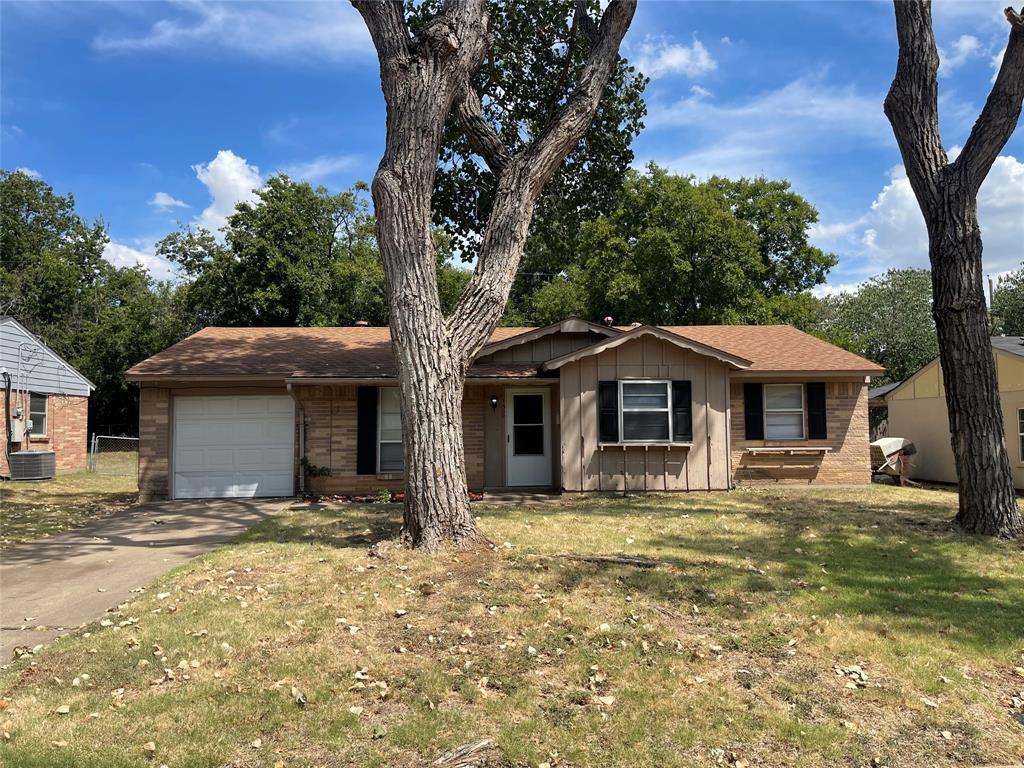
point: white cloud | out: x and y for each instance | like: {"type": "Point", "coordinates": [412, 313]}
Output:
{"type": "Point", "coordinates": [165, 202]}
{"type": "Point", "coordinates": [658, 56]}
{"type": "Point", "coordinates": [965, 47]}
{"type": "Point", "coordinates": [121, 255]}
{"type": "Point", "coordinates": [330, 31]}
{"type": "Point", "coordinates": [997, 62]}
{"type": "Point", "coordinates": [892, 232]}
{"type": "Point", "coordinates": [229, 180]}
{"type": "Point", "coordinates": [766, 133]}
{"type": "Point", "coordinates": [322, 167]}
{"type": "Point", "coordinates": [32, 173]}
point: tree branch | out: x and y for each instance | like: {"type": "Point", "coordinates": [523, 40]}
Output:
{"type": "Point", "coordinates": [385, 19]}
{"type": "Point", "coordinates": [483, 139]}
{"type": "Point", "coordinates": [522, 181]}
{"type": "Point", "coordinates": [999, 116]}
{"type": "Point", "coordinates": [912, 104]}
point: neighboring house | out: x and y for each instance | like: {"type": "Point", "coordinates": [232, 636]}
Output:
{"type": "Point", "coordinates": [46, 391]}
{"type": "Point", "coordinates": [917, 411]}
{"type": "Point", "coordinates": [573, 406]}
{"type": "Point", "coordinates": [878, 409]}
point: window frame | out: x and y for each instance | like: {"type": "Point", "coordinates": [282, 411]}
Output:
{"type": "Point", "coordinates": [803, 411]}
{"type": "Point", "coordinates": [667, 383]}
{"type": "Point", "coordinates": [380, 408]}
{"type": "Point", "coordinates": [1020, 435]}
{"type": "Point", "coordinates": [46, 415]}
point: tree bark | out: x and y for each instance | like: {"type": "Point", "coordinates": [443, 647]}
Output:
{"type": "Point", "coordinates": [423, 78]}
{"type": "Point", "coordinates": [947, 194]}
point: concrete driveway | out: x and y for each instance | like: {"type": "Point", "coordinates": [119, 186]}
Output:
{"type": "Point", "coordinates": [54, 585]}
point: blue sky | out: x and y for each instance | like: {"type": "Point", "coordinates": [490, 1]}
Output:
{"type": "Point", "coordinates": [157, 114]}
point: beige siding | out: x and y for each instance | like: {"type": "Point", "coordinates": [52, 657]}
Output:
{"type": "Point", "coordinates": [848, 462]}
{"type": "Point", "coordinates": [588, 466]}
{"type": "Point", "coordinates": [917, 411]}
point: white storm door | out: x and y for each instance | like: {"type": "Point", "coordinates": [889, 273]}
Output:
{"type": "Point", "coordinates": [528, 437]}
{"type": "Point", "coordinates": [233, 446]}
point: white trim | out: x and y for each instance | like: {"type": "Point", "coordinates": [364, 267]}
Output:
{"type": "Point", "coordinates": [802, 411]}
{"type": "Point", "coordinates": [1020, 437]}
{"type": "Point", "coordinates": [380, 401]}
{"type": "Point", "coordinates": [667, 409]}
{"type": "Point", "coordinates": [510, 457]}
{"type": "Point", "coordinates": [46, 415]}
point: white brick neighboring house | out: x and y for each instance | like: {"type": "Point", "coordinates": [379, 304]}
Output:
{"type": "Point", "coordinates": [47, 391]}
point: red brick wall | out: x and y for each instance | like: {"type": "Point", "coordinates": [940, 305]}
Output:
{"type": "Point", "coordinates": [66, 433]}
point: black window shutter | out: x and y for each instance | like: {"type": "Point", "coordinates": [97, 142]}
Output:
{"type": "Point", "coordinates": [366, 431]}
{"type": "Point", "coordinates": [608, 411]}
{"type": "Point", "coordinates": [682, 412]}
{"type": "Point", "coordinates": [817, 423]}
{"type": "Point", "coordinates": [753, 411]}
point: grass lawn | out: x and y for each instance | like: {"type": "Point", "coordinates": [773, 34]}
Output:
{"type": "Point", "coordinates": [31, 509]}
{"type": "Point", "coordinates": [784, 627]}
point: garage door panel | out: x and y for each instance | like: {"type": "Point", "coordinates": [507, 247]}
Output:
{"type": "Point", "coordinates": [233, 446]}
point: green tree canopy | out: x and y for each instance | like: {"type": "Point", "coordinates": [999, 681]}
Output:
{"type": "Point", "coordinates": [523, 80]}
{"type": "Point", "coordinates": [1008, 304]}
{"type": "Point", "coordinates": [675, 251]}
{"type": "Point", "coordinates": [54, 280]}
{"type": "Point", "coordinates": [888, 320]}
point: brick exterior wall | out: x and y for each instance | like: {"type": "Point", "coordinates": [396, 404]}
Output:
{"type": "Point", "coordinates": [154, 442]}
{"type": "Point", "coordinates": [330, 436]}
{"type": "Point", "coordinates": [67, 421]}
{"type": "Point", "coordinates": [330, 418]}
{"type": "Point", "coordinates": [848, 463]}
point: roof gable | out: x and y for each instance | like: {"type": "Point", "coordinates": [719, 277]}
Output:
{"type": "Point", "coordinates": [40, 369]}
{"type": "Point", "coordinates": [570, 325]}
{"type": "Point", "coordinates": [657, 332]}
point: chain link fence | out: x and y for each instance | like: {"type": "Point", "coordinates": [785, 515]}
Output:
{"type": "Point", "coordinates": [113, 455]}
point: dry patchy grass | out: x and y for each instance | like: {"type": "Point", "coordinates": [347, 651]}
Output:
{"type": "Point", "coordinates": [726, 652]}
{"type": "Point", "coordinates": [31, 509]}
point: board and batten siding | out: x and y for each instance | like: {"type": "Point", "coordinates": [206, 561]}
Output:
{"type": "Point", "coordinates": [41, 370]}
{"type": "Point", "coordinates": [586, 466]}
{"type": "Point", "coordinates": [543, 349]}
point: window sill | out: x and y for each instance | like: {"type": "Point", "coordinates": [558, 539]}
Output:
{"type": "Point", "coordinates": [645, 445]}
{"type": "Point", "coordinates": [390, 475]}
{"type": "Point", "coordinates": [790, 451]}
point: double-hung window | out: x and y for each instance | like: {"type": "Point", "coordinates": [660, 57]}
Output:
{"type": "Point", "coordinates": [37, 413]}
{"type": "Point", "coordinates": [646, 413]}
{"type": "Point", "coordinates": [784, 411]}
{"type": "Point", "coordinates": [389, 431]}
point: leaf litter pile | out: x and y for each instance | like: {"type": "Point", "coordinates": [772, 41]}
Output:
{"type": "Point", "coordinates": [756, 628]}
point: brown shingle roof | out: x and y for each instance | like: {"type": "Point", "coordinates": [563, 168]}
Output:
{"type": "Point", "coordinates": [777, 348]}
{"type": "Point", "coordinates": [353, 352]}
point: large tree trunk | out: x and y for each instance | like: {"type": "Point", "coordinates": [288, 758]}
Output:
{"type": "Point", "coordinates": [948, 193]}
{"type": "Point", "coordinates": [423, 78]}
{"type": "Point", "coordinates": [988, 503]}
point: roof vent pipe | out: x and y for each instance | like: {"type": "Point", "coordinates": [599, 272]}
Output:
{"type": "Point", "coordinates": [362, 324]}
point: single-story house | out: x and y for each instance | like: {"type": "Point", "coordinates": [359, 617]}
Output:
{"type": "Point", "coordinates": [44, 401]}
{"type": "Point", "coordinates": [574, 406]}
{"type": "Point", "coordinates": [917, 411]}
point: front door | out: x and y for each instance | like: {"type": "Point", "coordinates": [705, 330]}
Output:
{"type": "Point", "coordinates": [528, 437]}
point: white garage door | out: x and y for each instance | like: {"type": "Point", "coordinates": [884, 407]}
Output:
{"type": "Point", "coordinates": [233, 446]}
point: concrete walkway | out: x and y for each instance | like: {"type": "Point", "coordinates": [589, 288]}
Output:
{"type": "Point", "coordinates": [54, 585]}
